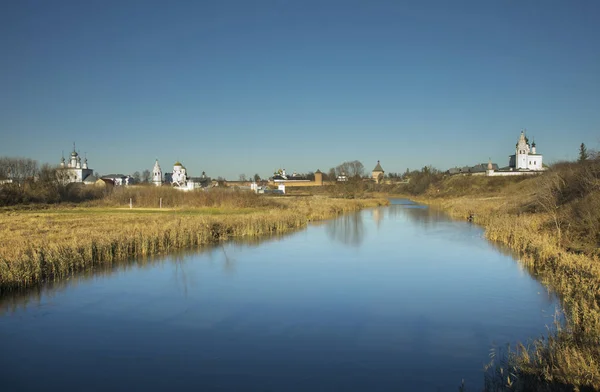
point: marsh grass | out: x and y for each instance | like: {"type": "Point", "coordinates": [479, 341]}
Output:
{"type": "Point", "coordinates": [55, 243]}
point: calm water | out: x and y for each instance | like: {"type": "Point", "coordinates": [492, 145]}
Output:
{"type": "Point", "coordinates": [389, 299]}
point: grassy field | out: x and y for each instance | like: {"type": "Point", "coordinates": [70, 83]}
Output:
{"type": "Point", "coordinates": [47, 243]}
{"type": "Point", "coordinates": [553, 222]}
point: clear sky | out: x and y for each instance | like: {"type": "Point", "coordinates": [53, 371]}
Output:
{"type": "Point", "coordinates": [248, 86]}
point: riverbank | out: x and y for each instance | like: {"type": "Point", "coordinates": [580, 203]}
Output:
{"type": "Point", "coordinates": [551, 221]}
{"type": "Point", "coordinates": [49, 243]}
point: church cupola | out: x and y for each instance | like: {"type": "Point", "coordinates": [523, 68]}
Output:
{"type": "Point", "coordinates": [533, 147]}
{"type": "Point", "coordinates": [73, 160]}
{"type": "Point", "coordinates": [85, 165]}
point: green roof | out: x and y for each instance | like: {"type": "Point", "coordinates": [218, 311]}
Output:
{"type": "Point", "coordinates": [378, 167]}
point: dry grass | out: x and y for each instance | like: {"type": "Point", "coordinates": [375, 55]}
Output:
{"type": "Point", "coordinates": [53, 243]}
{"type": "Point", "coordinates": [553, 222]}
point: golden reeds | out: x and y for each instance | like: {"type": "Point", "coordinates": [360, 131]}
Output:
{"type": "Point", "coordinates": [48, 244]}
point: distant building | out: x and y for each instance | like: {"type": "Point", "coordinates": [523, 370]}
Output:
{"type": "Point", "coordinates": [179, 179]}
{"type": "Point", "coordinates": [378, 173]}
{"type": "Point", "coordinates": [281, 176]}
{"type": "Point", "coordinates": [342, 177]}
{"type": "Point", "coordinates": [525, 157]}
{"type": "Point", "coordinates": [156, 174]}
{"type": "Point", "coordinates": [319, 177]}
{"type": "Point", "coordinates": [477, 169]}
{"type": "Point", "coordinates": [119, 179]}
{"type": "Point", "coordinates": [73, 170]}
{"type": "Point", "coordinates": [179, 175]}
{"type": "Point", "coordinates": [525, 161]}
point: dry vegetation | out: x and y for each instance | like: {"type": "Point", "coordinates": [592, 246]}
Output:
{"type": "Point", "coordinates": [53, 242]}
{"type": "Point", "coordinates": [553, 221]}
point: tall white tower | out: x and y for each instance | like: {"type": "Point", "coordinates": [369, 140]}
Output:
{"type": "Point", "coordinates": [157, 174]}
{"type": "Point", "coordinates": [522, 152]}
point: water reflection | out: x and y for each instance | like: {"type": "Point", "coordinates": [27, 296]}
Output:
{"type": "Point", "coordinates": [417, 213]}
{"type": "Point", "coordinates": [348, 229]}
{"type": "Point", "coordinates": [218, 253]}
{"type": "Point", "coordinates": [377, 215]}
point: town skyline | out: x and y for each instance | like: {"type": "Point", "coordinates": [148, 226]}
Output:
{"type": "Point", "coordinates": [234, 88]}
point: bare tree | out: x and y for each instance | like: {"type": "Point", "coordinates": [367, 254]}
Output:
{"type": "Point", "coordinates": [331, 174]}
{"type": "Point", "coordinates": [18, 169]}
{"type": "Point", "coordinates": [136, 177]}
{"type": "Point", "coordinates": [243, 177]}
{"type": "Point", "coordinates": [352, 169]}
{"type": "Point", "coordinates": [146, 176]}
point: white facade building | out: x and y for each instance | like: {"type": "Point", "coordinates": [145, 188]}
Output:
{"type": "Point", "coordinates": [180, 179]}
{"type": "Point", "coordinates": [119, 179]}
{"type": "Point", "coordinates": [526, 156]}
{"type": "Point", "coordinates": [179, 175]}
{"type": "Point", "coordinates": [74, 170]}
{"type": "Point", "coordinates": [156, 174]}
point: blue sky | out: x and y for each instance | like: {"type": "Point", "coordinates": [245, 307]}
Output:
{"type": "Point", "coordinates": [234, 87]}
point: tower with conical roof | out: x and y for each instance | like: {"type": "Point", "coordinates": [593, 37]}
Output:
{"type": "Point", "coordinates": [522, 151]}
{"type": "Point", "coordinates": [319, 177]}
{"type": "Point", "coordinates": [156, 174]}
{"type": "Point", "coordinates": [378, 173]}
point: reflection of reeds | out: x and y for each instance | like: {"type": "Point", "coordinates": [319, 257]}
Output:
{"type": "Point", "coordinates": [557, 240]}
{"type": "Point", "coordinates": [51, 244]}
{"type": "Point", "coordinates": [348, 230]}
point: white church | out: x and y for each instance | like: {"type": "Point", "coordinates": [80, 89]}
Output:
{"type": "Point", "coordinates": [525, 160]}
{"type": "Point", "coordinates": [179, 178]}
{"type": "Point", "coordinates": [525, 156]}
{"type": "Point", "coordinates": [74, 170]}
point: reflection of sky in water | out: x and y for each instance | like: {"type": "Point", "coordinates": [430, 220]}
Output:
{"type": "Point", "coordinates": [393, 298]}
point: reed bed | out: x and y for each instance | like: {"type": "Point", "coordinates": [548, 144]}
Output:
{"type": "Point", "coordinates": [50, 244]}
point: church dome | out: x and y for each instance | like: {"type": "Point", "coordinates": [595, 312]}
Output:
{"type": "Point", "coordinates": [178, 164]}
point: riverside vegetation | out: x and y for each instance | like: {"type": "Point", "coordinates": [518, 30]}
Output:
{"type": "Point", "coordinates": [50, 242]}
{"type": "Point", "coordinates": [553, 222]}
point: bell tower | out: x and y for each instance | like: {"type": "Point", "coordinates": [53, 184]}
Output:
{"type": "Point", "coordinates": [157, 174]}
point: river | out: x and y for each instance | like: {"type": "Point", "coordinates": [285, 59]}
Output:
{"type": "Point", "coordinates": [387, 299]}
